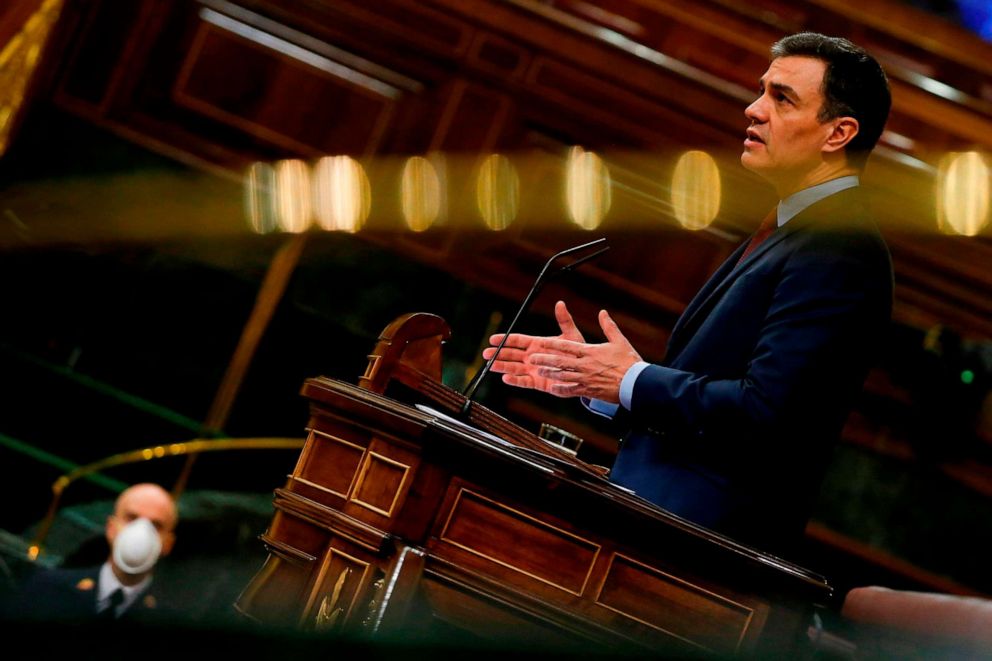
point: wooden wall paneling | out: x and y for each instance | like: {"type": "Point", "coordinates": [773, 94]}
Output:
{"type": "Point", "coordinates": [574, 46]}
{"type": "Point", "coordinates": [952, 127]}
{"type": "Point", "coordinates": [611, 104]}
{"type": "Point", "coordinates": [501, 57]}
{"type": "Point", "coordinates": [106, 37]}
{"type": "Point", "coordinates": [274, 90]}
{"type": "Point", "coordinates": [711, 38]}
{"type": "Point", "coordinates": [959, 303]}
{"type": "Point", "coordinates": [283, 93]}
{"type": "Point", "coordinates": [471, 118]}
{"type": "Point", "coordinates": [403, 29]}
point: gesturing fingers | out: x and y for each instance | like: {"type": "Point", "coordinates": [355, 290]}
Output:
{"type": "Point", "coordinates": [564, 347]}
{"type": "Point", "coordinates": [509, 367]}
{"type": "Point", "coordinates": [611, 330]}
{"type": "Point", "coordinates": [526, 381]}
{"type": "Point", "coordinates": [569, 331]}
{"type": "Point", "coordinates": [515, 340]}
{"type": "Point", "coordinates": [506, 354]}
{"type": "Point", "coordinates": [553, 360]}
{"type": "Point", "coordinates": [562, 389]}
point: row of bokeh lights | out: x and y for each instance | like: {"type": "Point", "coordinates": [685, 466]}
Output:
{"type": "Point", "coordinates": [335, 193]}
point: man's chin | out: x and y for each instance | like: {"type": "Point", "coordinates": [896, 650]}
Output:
{"type": "Point", "coordinates": [751, 162]}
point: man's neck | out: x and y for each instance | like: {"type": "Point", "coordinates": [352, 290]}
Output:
{"type": "Point", "coordinates": [824, 172]}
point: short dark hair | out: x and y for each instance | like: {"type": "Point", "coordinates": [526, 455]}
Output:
{"type": "Point", "coordinates": [854, 85]}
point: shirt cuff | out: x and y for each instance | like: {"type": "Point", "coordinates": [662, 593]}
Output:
{"type": "Point", "coordinates": [599, 407]}
{"type": "Point", "coordinates": [627, 385]}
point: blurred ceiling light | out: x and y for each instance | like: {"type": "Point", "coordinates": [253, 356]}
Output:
{"type": "Point", "coordinates": [587, 188]}
{"type": "Point", "coordinates": [420, 193]}
{"type": "Point", "coordinates": [962, 194]}
{"type": "Point", "coordinates": [696, 190]}
{"type": "Point", "coordinates": [260, 203]}
{"type": "Point", "coordinates": [293, 195]}
{"type": "Point", "coordinates": [342, 194]}
{"type": "Point", "coordinates": [498, 192]}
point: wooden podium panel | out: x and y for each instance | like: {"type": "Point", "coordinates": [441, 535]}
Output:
{"type": "Point", "coordinates": [401, 518]}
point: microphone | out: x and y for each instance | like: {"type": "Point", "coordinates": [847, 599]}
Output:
{"type": "Point", "coordinates": [541, 278]}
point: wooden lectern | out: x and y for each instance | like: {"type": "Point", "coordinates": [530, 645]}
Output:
{"type": "Point", "coordinates": [405, 515]}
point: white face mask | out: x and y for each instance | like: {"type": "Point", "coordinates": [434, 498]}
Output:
{"type": "Point", "coordinates": [137, 547]}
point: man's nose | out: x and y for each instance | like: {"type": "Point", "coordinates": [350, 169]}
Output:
{"type": "Point", "coordinates": [756, 111]}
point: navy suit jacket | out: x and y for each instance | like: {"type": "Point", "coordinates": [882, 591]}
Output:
{"type": "Point", "coordinates": [734, 428]}
{"type": "Point", "coordinates": [70, 595]}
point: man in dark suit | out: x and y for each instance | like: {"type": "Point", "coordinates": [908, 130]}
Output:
{"type": "Point", "coordinates": [734, 428]}
{"type": "Point", "coordinates": [139, 531]}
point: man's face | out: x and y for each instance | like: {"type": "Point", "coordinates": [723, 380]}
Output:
{"type": "Point", "coordinates": [148, 503]}
{"type": "Point", "coordinates": [785, 139]}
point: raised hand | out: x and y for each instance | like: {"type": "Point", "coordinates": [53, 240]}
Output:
{"type": "Point", "coordinates": [566, 366]}
{"type": "Point", "coordinates": [513, 361]}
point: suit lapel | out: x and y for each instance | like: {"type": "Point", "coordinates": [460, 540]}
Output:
{"type": "Point", "coordinates": [725, 276]}
{"type": "Point", "coordinates": [704, 293]}
{"type": "Point", "coordinates": [729, 271]}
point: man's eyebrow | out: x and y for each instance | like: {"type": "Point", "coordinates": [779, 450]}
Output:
{"type": "Point", "coordinates": [782, 88]}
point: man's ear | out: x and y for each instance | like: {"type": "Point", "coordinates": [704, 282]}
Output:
{"type": "Point", "coordinates": [844, 130]}
{"type": "Point", "coordinates": [111, 529]}
{"type": "Point", "coordinates": [168, 539]}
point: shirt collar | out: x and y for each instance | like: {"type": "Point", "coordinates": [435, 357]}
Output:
{"type": "Point", "coordinates": [798, 202]}
{"type": "Point", "coordinates": [107, 583]}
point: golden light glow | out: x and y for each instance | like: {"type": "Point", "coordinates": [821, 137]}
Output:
{"type": "Point", "coordinates": [420, 193]}
{"type": "Point", "coordinates": [588, 193]}
{"type": "Point", "coordinates": [342, 195]}
{"type": "Point", "coordinates": [293, 211]}
{"type": "Point", "coordinates": [696, 190]}
{"type": "Point", "coordinates": [498, 192]}
{"type": "Point", "coordinates": [18, 61]}
{"type": "Point", "coordinates": [260, 199]}
{"type": "Point", "coordinates": [962, 194]}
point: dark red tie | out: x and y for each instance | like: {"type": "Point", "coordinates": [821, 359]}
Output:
{"type": "Point", "coordinates": [766, 227]}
